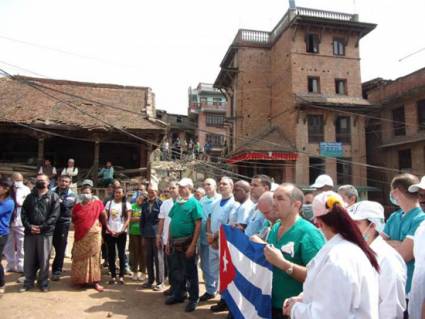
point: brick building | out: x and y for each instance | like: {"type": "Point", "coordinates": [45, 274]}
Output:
{"type": "Point", "coordinates": [294, 88]}
{"type": "Point", "coordinates": [57, 119]}
{"type": "Point", "coordinates": [396, 132]}
{"type": "Point", "coordinates": [209, 109]}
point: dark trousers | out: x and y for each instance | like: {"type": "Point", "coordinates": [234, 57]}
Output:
{"type": "Point", "coordinates": [154, 257]}
{"type": "Point", "coordinates": [184, 271]}
{"type": "Point", "coordinates": [37, 250]}
{"type": "Point", "coordinates": [3, 241]}
{"type": "Point", "coordinates": [60, 240]}
{"type": "Point", "coordinates": [116, 243]}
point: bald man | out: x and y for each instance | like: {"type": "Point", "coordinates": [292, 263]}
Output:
{"type": "Point", "coordinates": [265, 205]}
{"type": "Point", "coordinates": [14, 250]}
{"type": "Point", "coordinates": [241, 192]}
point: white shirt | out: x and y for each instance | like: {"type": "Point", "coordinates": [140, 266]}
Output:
{"type": "Point", "coordinates": [70, 171]}
{"type": "Point", "coordinates": [164, 210]}
{"type": "Point", "coordinates": [21, 193]}
{"type": "Point", "coordinates": [114, 210]}
{"type": "Point", "coordinates": [241, 214]}
{"type": "Point", "coordinates": [392, 280]}
{"type": "Point", "coordinates": [417, 293]}
{"type": "Point", "coordinates": [340, 283]}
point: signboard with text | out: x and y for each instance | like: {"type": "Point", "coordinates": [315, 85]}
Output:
{"type": "Point", "coordinates": [331, 149]}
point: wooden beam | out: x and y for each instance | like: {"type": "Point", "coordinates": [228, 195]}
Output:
{"type": "Point", "coordinates": [96, 161]}
{"type": "Point", "coordinates": [40, 156]}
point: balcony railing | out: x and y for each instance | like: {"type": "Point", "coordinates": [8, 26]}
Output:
{"type": "Point", "coordinates": [266, 39]}
{"type": "Point", "coordinates": [208, 106]}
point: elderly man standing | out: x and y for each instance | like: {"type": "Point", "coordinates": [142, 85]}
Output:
{"type": "Point", "coordinates": [220, 214]}
{"type": "Point", "coordinates": [265, 205]}
{"type": "Point", "coordinates": [185, 227]}
{"type": "Point", "coordinates": [14, 250]}
{"type": "Point", "coordinates": [349, 194]}
{"type": "Point", "coordinates": [40, 212]}
{"type": "Point", "coordinates": [207, 202]}
{"type": "Point", "coordinates": [148, 230]}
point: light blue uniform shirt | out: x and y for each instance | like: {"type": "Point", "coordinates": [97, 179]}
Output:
{"type": "Point", "coordinates": [221, 214]}
{"type": "Point", "coordinates": [401, 226]}
{"type": "Point", "coordinates": [241, 214]}
{"type": "Point", "coordinates": [255, 222]}
{"type": "Point", "coordinates": [206, 204]}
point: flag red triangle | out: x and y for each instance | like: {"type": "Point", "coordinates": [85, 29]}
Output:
{"type": "Point", "coordinates": [227, 269]}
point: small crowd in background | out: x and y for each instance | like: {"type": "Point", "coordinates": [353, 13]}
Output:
{"type": "Point", "coordinates": [333, 254]}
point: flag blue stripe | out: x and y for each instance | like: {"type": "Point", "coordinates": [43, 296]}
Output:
{"type": "Point", "coordinates": [233, 308]}
{"type": "Point", "coordinates": [262, 303]}
{"type": "Point", "coordinates": [253, 251]}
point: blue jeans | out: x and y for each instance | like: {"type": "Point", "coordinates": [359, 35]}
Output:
{"type": "Point", "coordinates": [184, 270]}
{"type": "Point", "coordinates": [209, 278]}
{"type": "Point", "coordinates": [214, 264]}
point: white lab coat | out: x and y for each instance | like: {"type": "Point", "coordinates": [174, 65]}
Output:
{"type": "Point", "coordinates": [392, 280]}
{"type": "Point", "coordinates": [340, 283]}
{"type": "Point", "coordinates": [417, 293]}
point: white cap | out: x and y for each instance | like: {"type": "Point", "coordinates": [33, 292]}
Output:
{"type": "Point", "coordinates": [324, 202]}
{"type": "Point", "coordinates": [323, 180]}
{"type": "Point", "coordinates": [185, 182]}
{"type": "Point", "coordinates": [368, 210]}
{"type": "Point", "coordinates": [416, 187]}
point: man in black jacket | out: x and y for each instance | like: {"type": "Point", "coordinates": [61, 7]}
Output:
{"type": "Point", "coordinates": [148, 230]}
{"type": "Point", "coordinates": [67, 201]}
{"type": "Point", "coordinates": [40, 212]}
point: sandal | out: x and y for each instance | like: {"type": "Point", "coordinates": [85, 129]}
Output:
{"type": "Point", "coordinates": [98, 287]}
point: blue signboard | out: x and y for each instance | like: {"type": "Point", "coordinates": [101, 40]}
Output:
{"type": "Point", "coordinates": [331, 149]}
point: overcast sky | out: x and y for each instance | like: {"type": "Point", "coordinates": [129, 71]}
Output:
{"type": "Point", "coordinates": [170, 45]}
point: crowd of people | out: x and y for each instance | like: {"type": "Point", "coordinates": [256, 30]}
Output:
{"type": "Point", "coordinates": [333, 255]}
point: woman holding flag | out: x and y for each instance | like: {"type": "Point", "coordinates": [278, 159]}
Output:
{"type": "Point", "coordinates": [342, 280]}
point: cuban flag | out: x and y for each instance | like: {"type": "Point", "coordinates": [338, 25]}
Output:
{"type": "Point", "coordinates": [245, 275]}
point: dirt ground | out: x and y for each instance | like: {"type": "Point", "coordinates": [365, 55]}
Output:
{"type": "Point", "coordinates": [65, 301]}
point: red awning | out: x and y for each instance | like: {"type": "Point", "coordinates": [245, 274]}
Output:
{"type": "Point", "coordinates": [263, 156]}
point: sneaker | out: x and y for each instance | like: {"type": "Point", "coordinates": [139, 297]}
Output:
{"type": "Point", "coordinates": [172, 300]}
{"type": "Point", "coordinates": [191, 306]}
{"type": "Point", "coordinates": [219, 307]}
{"type": "Point", "coordinates": [206, 296]}
{"type": "Point", "coordinates": [113, 281]}
{"type": "Point", "coordinates": [121, 281]}
{"type": "Point", "coordinates": [135, 277]}
{"type": "Point", "coordinates": [20, 280]}
{"type": "Point", "coordinates": [24, 289]}
{"type": "Point", "coordinates": [141, 276]}
{"type": "Point", "coordinates": [2, 288]}
{"type": "Point", "coordinates": [159, 287]}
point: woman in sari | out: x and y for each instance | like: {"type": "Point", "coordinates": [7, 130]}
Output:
{"type": "Point", "coordinates": [86, 262]}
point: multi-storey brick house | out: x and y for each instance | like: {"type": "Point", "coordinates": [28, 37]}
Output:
{"type": "Point", "coordinates": [294, 88]}
{"type": "Point", "coordinates": [209, 108]}
{"type": "Point", "coordinates": [396, 132]}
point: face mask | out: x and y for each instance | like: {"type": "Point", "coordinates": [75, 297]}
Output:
{"type": "Point", "coordinates": [40, 185]}
{"type": "Point", "coordinates": [19, 184]}
{"type": "Point", "coordinates": [365, 234]}
{"type": "Point", "coordinates": [86, 197]}
{"type": "Point", "coordinates": [307, 211]}
{"type": "Point", "coordinates": [393, 200]}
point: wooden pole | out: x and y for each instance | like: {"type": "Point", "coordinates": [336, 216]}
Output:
{"type": "Point", "coordinates": [40, 155]}
{"type": "Point", "coordinates": [96, 161]}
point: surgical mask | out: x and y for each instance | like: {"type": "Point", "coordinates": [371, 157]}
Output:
{"type": "Point", "coordinates": [365, 234]}
{"type": "Point", "coordinates": [393, 200]}
{"type": "Point", "coordinates": [86, 197]}
{"type": "Point", "coordinates": [40, 185]}
{"type": "Point", "coordinates": [19, 184]}
{"type": "Point", "coordinates": [307, 212]}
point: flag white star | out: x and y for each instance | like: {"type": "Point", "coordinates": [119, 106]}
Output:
{"type": "Point", "coordinates": [225, 262]}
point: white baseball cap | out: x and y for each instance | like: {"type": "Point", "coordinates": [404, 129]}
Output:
{"type": "Point", "coordinates": [323, 180]}
{"type": "Point", "coordinates": [324, 202]}
{"type": "Point", "coordinates": [416, 187]}
{"type": "Point", "coordinates": [185, 182]}
{"type": "Point", "coordinates": [368, 210]}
